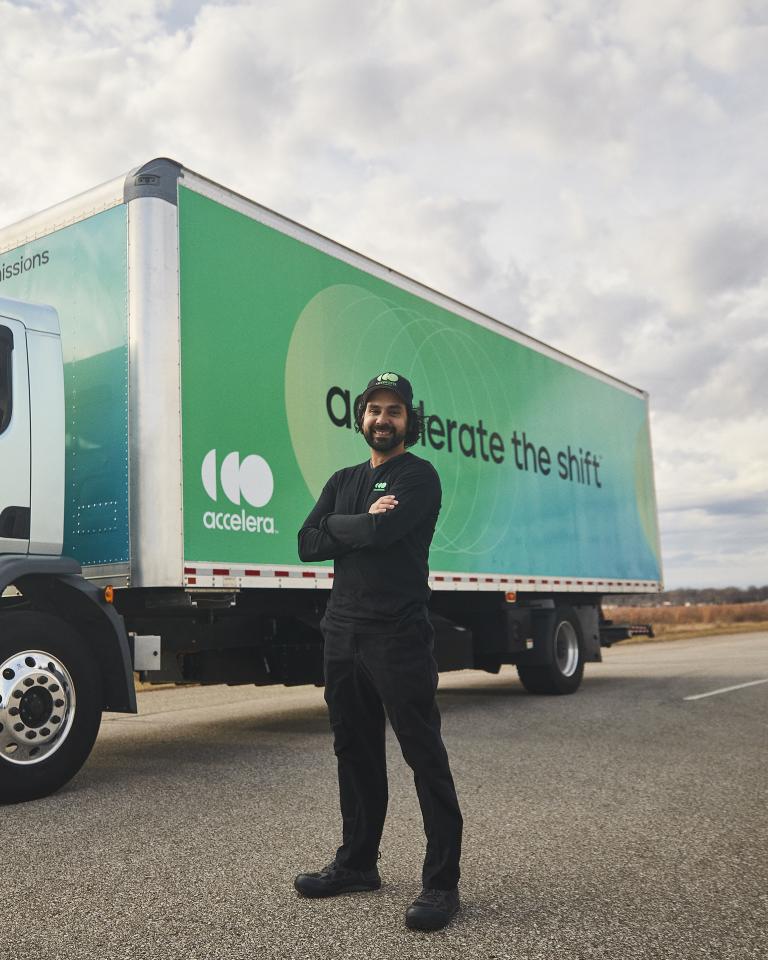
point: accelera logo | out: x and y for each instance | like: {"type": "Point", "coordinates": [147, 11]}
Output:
{"type": "Point", "coordinates": [250, 479]}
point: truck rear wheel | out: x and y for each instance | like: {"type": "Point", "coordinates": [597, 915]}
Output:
{"type": "Point", "coordinates": [566, 655]}
{"type": "Point", "coordinates": [50, 705]}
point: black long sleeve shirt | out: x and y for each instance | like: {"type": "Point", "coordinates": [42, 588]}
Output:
{"type": "Point", "coordinates": [380, 560]}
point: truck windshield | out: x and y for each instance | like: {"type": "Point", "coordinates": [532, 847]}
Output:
{"type": "Point", "coordinates": [6, 391]}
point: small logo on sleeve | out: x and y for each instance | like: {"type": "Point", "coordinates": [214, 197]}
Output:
{"type": "Point", "coordinates": [380, 486]}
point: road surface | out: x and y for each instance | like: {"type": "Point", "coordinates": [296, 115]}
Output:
{"type": "Point", "coordinates": [623, 821]}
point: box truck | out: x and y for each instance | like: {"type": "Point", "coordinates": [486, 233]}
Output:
{"type": "Point", "coordinates": [178, 370]}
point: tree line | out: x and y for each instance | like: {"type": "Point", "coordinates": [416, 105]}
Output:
{"type": "Point", "coordinates": [685, 595]}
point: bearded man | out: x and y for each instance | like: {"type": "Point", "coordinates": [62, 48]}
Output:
{"type": "Point", "coordinates": [376, 521]}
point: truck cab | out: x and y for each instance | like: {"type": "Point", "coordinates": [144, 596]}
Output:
{"type": "Point", "coordinates": [31, 435]}
{"type": "Point", "coordinates": [63, 650]}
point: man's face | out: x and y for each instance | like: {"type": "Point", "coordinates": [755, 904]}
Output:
{"type": "Point", "coordinates": [385, 420]}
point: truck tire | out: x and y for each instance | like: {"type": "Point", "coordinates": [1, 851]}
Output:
{"type": "Point", "coordinates": [565, 653]}
{"type": "Point", "coordinates": [50, 705]}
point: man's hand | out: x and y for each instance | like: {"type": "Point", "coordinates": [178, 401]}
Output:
{"type": "Point", "coordinates": [383, 504]}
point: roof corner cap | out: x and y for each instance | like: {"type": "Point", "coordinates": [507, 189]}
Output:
{"type": "Point", "coordinates": [158, 178]}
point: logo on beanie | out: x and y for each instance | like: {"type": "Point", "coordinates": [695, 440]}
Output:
{"type": "Point", "coordinates": [387, 378]}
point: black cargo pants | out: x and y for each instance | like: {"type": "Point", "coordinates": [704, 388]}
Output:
{"type": "Point", "coordinates": [365, 675]}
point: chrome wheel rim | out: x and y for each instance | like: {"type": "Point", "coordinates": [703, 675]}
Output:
{"type": "Point", "coordinates": [566, 648]}
{"type": "Point", "coordinates": [37, 706]}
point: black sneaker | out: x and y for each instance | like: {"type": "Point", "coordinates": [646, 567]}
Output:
{"type": "Point", "coordinates": [432, 909]}
{"type": "Point", "coordinates": [332, 880]}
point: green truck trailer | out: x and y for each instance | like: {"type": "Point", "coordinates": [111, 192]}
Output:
{"type": "Point", "coordinates": [178, 368]}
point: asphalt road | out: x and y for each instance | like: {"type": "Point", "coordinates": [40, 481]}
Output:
{"type": "Point", "coordinates": [624, 821]}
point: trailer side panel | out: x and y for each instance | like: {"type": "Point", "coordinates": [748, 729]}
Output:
{"type": "Point", "coordinates": [81, 269]}
{"type": "Point", "coordinates": [545, 468]}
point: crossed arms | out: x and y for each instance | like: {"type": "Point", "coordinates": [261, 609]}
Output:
{"type": "Point", "coordinates": [326, 535]}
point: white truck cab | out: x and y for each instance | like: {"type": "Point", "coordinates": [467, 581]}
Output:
{"type": "Point", "coordinates": [56, 631]}
{"type": "Point", "coordinates": [31, 435]}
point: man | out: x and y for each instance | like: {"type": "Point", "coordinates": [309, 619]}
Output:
{"type": "Point", "coordinates": [376, 521]}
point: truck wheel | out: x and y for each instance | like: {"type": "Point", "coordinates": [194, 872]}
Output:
{"type": "Point", "coordinates": [50, 705]}
{"type": "Point", "coordinates": [566, 648]}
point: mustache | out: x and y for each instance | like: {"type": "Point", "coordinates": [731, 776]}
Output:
{"type": "Point", "coordinates": [382, 437]}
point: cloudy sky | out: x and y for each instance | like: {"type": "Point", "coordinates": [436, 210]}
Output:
{"type": "Point", "coordinates": [592, 172]}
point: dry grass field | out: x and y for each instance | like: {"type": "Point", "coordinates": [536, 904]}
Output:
{"type": "Point", "coordinates": [699, 620]}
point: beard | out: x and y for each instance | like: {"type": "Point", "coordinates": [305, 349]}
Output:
{"type": "Point", "coordinates": [384, 442]}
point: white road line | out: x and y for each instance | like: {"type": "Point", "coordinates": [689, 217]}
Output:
{"type": "Point", "coordinates": [738, 686]}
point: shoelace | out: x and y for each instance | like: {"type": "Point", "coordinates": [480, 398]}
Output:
{"type": "Point", "coordinates": [435, 897]}
{"type": "Point", "coordinates": [339, 871]}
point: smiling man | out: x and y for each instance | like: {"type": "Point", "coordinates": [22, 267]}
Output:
{"type": "Point", "coordinates": [376, 521]}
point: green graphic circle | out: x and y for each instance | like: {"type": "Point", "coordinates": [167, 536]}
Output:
{"type": "Point", "coordinates": [342, 337]}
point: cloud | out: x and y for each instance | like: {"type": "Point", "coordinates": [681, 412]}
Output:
{"type": "Point", "coordinates": [731, 255]}
{"type": "Point", "coordinates": [590, 172]}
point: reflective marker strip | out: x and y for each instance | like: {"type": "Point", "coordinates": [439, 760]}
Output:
{"type": "Point", "coordinates": [739, 686]}
{"type": "Point", "coordinates": [222, 577]}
